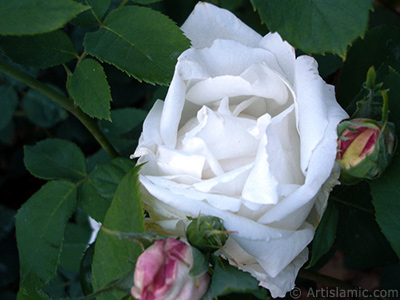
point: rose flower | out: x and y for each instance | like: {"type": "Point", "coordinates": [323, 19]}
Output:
{"type": "Point", "coordinates": [247, 133]}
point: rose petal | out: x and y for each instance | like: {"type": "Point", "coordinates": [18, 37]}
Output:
{"type": "Point", "coordinates": [261, 185]}
{"type": "Point", "coordinates": [257, 80]}
{"type": "Point", "coordinates": [208, 23]}
{"type": "Point", "coordinates": [150, 137]}
{"type": "Point", "coordinates": [283, 148]}
{"type": "Point", "coordinates": [316, 105]}
{"type": "Point", "coordinates": [284, 54]}
{"type": "Point", "coordinates": [260, 241]}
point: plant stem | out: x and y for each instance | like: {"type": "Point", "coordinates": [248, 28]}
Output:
{"type": "Point", "coordinates": [333, 282]}
{"type": "Point", "coordinates": [63, 101]}
{"type": "Point", "coordinates": [123, 2]}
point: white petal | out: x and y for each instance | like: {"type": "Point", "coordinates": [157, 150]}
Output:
{"type": "Point", "coordinates": [284, 54]}
{"type": "Point", "coordinates": [172, 112]}
{"type": "Point", "coordinates": [273, 255]}
{"type": "Point", "coordinates": [224, 57]}
{"type": "Point", "coordinates": [225, 136]}
{"type": "Point", "coordinates": [316, 107]}
{"type": "Point", "coordinates": [284, 281]}
{"type": "Point", "coordinates": [150, 136]}
{"type": "Point", "coordinates": [261, 185]}
{"type": "Point", "coordinates": [208, 23]}
{"type": "Point", "coordinates": [257, 80]}
{"type": "Point", "coordinates": [229, 184]}
{"type": "Point", "coordinates": [175, 162]}
{"type": "Point", "coordinates": [283, 148]}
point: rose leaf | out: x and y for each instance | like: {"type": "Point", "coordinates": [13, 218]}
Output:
{"type": "Point", "coordinates": [55, 159]}
{"type": "Point", "coordinates": [27, 17]}
{"type": "Point", "coordinates": [316, 26]}
{"type": "Point", "coordinates": [386, 194]}
{"type": "Point", "coordinates": [89, 88]}
{"type": "Point", "coordinates": [141, 42]}
{"type": "Point", "coordinates": [114, 257]}
{"type": "Point", "coordinates": [40, 227]}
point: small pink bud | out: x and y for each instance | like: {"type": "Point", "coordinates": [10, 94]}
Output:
{"type": "Point", "coordinates": [365, 147]}
{"type": "Point", "coordinates": [162, 273]}
{"type": "Point", "coordinates": [356, 142]}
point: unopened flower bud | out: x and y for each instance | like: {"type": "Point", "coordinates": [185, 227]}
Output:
{"type": "Point", "coordinates": [365, 147]}
{"type": "Point", "coordinates": [162, 273]}
{"type": "Point", "coordinates": [207, 233]}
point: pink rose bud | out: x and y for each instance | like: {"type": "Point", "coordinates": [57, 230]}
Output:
{"type": "Point", "coordinates": [365, 148]}
{"type": "Point", "coordinates": [162, 273]}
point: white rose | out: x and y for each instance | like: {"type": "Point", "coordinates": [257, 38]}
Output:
{"type": "Point", "coordinates": [247, 133]}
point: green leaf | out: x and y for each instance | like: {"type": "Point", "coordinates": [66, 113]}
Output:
{"type": "Point", "coordinates": [95, 13]}
{"type": "Point", "coordinates": [200, 263]}
{"type": "Point", "coordinates": [85, 272]}
{"type": "Point", "coordinates": [25, 293]}
{"type": "Point", "coordinates": [8, 104]}
{"type": "Point", "coordinates": [89, 88]}
{"type": "Point", "coordinates": [316, 26]}
{"type": "Point", "coordinates": [75, 242]}
{"type": "Point", "coordinates": [23, 17]}
{"type": "Point", "coordinates": [40, 232]}
{"type": "Point", "coordinates": [41, 110]}
{"type": "Point", "coordinates": [228, 279]}
{"type": "Point", "coordinates": [143, 43]}
{"type": "Point", "coordinates": [125, 128]}
{"type": "Point", "coordinates": [39, 51]}
{"type": "Point", "coordinates": [358, 235]}
{"type": "Point", "coordinates": [391, 80]}
{"type": "Point", "coordinates": [115, 257]}
{"type": "Point", "coordinates": [386, 194]}
{"type": "Point", "coordinates": [55, 159]}
{"type": "Point", "coordinates": [123, 121]}
{"type": "Point", "coordinates": [379, 45]}
{"type": "Point", "coordinates": [325, 234]}
{"type": "Point", "coordinates": [145, 2]}
{"type": "Point", "coordinates": [99, 189]}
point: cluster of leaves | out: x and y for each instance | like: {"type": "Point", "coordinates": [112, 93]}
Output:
{"type": "Point", "coordinates": [71, 65]}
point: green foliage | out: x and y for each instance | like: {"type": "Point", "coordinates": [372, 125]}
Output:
{"type": "Point", "coordinates": [94, 14]}
{"type": "Point", "coordinates": [41, 110]}
{"type": "Point", "coordinates": [125, 127]}
{"type": "Point", "coordinates": [358, 235]}
{"type": "Point", "coordinates": [146, 54]}
{"type": "Point", "coordinates": [8, 104]}
{"type": "Point", "coordinates": [55, 159]}
{"type": "Point", "coordinates": [40, 228]}
{"type": "Point", "coordinates": [228, 279]}
{"type": "Point", "coordinates": [114, 257]}
{"type": "Point", "coordinates": [325, 234]}
{"type": "Point", "coordinates": [36, 16]}
{"type": "Point", "coordinates": [89, 88]}
{"type": "Point", "coordinates": [316, 26]}
{"type": "Point", "coordinates": [379, 44]}
{"type": "Point", "coordinates": [145, 2]}
{"type": "Point", "coordinates": [76, 238]}
{"type": "Point", "coordinates": [99, 189]}
{"type": "Point", "coordinates": [386, 194]}
{"type": "Point", "coordinates": [39, 51]}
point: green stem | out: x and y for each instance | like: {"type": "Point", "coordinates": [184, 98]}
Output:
{"type": "Point", "coordinates": [351, 204]}
{"type": "Point", "coordinates": [333, 282]}
{"type": "Point", "coordinates": [122, 3]}
{"type": "Point", "coordinates": [63, 101]}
